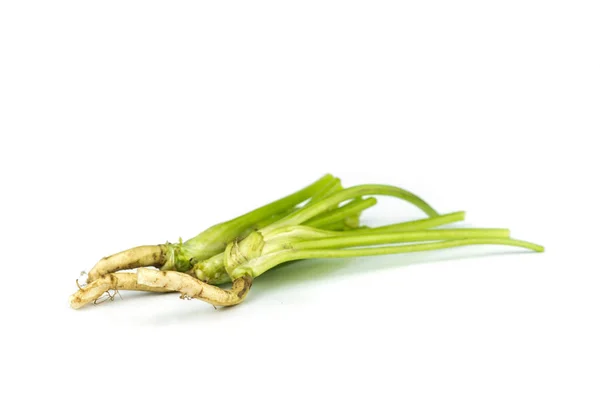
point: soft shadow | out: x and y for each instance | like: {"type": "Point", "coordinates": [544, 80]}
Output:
{"type": "Point", "coordinates": [189, 311]}
{"type": "Point", "coordinates": [295, 273]}
{"type": "Point", "coordinates": [161, 309]}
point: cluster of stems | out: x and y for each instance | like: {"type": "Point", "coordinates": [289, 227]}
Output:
{"type": "Point", "coordinates": [320, 221]}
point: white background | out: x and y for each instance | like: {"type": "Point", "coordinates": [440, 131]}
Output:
{"type": "Point", "coordinates": [127, 123]}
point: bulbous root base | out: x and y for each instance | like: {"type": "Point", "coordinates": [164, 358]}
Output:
{"type": "Point", "coordinates": [111, 281]}
{"type": "Point", "coordinates": [142, 256]}
{"type": "Point", "coordinates": [191, 287]}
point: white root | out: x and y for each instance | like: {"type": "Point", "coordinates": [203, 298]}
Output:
{"type": "Point", "coordinates": [142, 256]}
{"type": "Point", "coordinates": [191, 287]}
{"type": "Point", "coordinates": [111, 281]}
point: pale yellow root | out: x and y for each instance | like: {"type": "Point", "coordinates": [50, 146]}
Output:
{"type": "Point", "coordinates": [111, 281]}
{"type": "Point", "coordinates": [142, 256]}
{"type": "Point", "coordinates": [191, 287]}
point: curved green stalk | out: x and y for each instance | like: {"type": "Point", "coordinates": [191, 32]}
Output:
{"type": "Point", "coordinates": [333, 200]}
{"type": "Point", "coordinates": [352, 208]}
{"type": "Point", "coordinates": [259, 265]}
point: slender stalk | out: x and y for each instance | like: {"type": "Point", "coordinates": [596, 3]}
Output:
{"type": "Point", "coordinates": [259, 265]}
{"type": "Point", "coordinates": [302, 233]}
{"type": "Point", "coordinates": [352, 208]}
{"type": "Point", "coordinates": [307, 232]}
{"type": "Point", "coordinates": [213, 271]}
{"type": "Point", "coordinates": [335, 185]}
{"type": "Point", "coordinates": [272, 219]}
{"type": "Point", "coordinates": [361, 238]}
{"type": "Point", "coordinates": [281, 205]}
{"type": "Point", "coordinates": [333, 200]}
{"type": "Point", "coordinates": [421, 224]}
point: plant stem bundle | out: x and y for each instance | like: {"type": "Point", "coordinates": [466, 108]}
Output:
{"type": "Point", "coordinates": [321, 220]}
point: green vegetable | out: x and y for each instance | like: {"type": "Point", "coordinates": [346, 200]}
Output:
{"type": "Point", "coordinates": [240, 250]}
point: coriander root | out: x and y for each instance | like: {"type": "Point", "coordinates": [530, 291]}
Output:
{"type": "Point", "coordinates": [142, 256]}
{"type": "Point", "coordinates": [191, 287]}
{"type": "Point", "coordinates": [111, 281]}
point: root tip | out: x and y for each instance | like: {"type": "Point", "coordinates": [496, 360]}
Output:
{"type": "Point", "coordinates": [75, 301]}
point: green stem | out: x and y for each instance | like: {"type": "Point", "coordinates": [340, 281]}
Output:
{"type": "Point", "coordinates": [264, 263]}
{"type": "Point", "coordinates": [305, 233]}
{"type": "Point", "coordinates": [352, 208]}
{"type": "Point", "coordinates": [282, 205]}
{"type": "Point", "coordinates": [335, 185]}
{"type": "Point", "coordinates": [214, 239]}
{"type": "Point", "coordinates": [333, 200]}
{"type": "Point", "coordinates": [360, 238]}
{"type": "Point", "coordinates": [212, 269]}
{"type": "Point", "coordinates": [272, 219]}
{"type": "Point", "coordinates": [337, 226]}
{"type": "Point", "coordinates": [313, 232]}
{"type": "Point", "coordinates": [421, 224]}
